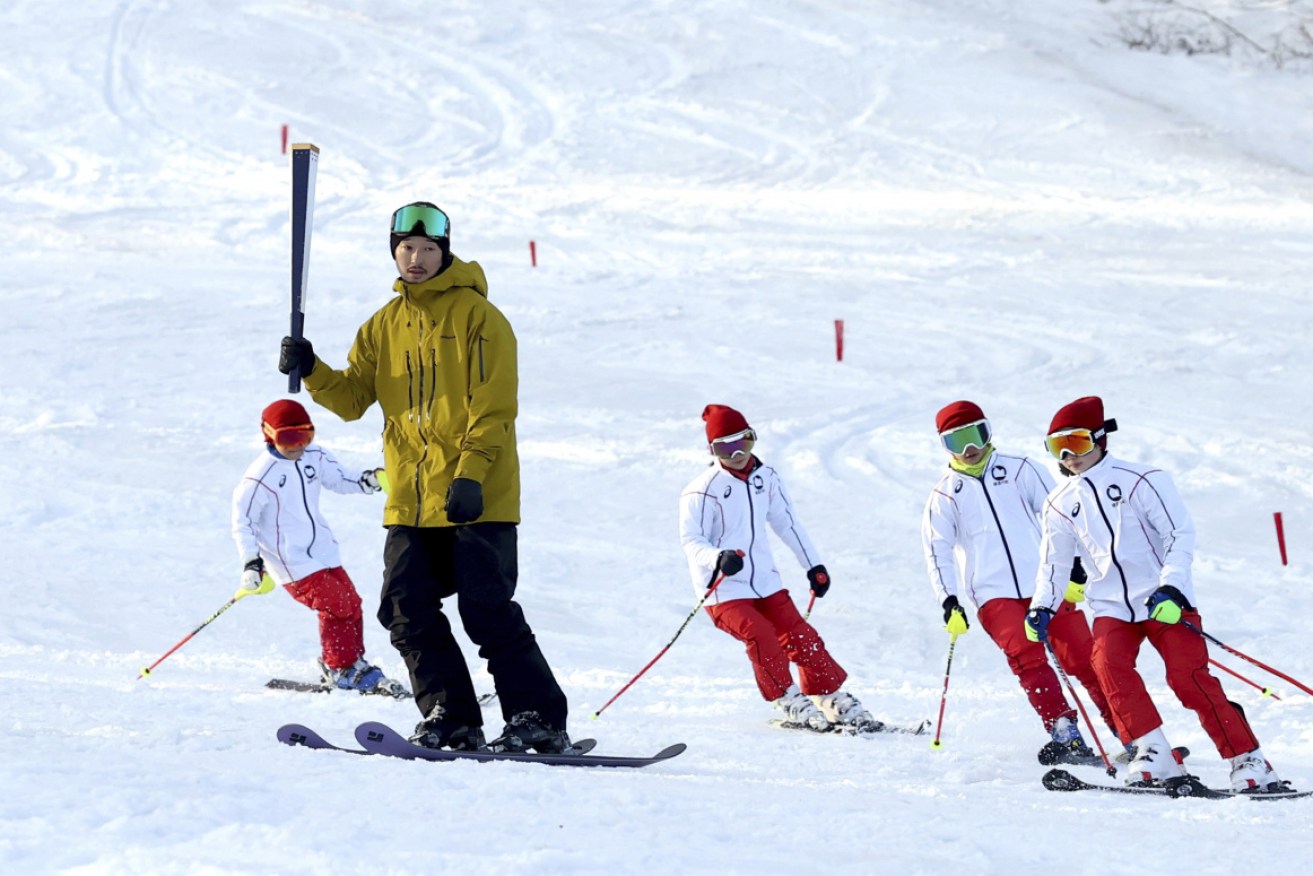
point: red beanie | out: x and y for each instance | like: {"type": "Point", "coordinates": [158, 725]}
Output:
{"type": "Point", "coordinates": [723, 420]}
{"type": "Point", "coordinates": [283, 414]}
{"type": "Point", "coordinates": [1083, 413]}
{"type": "Point", "coordinates": [959, 413]}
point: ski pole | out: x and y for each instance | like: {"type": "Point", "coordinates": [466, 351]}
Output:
{"type": "Point", "coordinates": [1267, 691]}
{"type": "Point", "coordinates": [692, 614]}
{"type": "Point", "coordinates": [943, 698]}
{"type": "Point", "coordinates": [227, 605]}
{"type": "Point", "coordinates": [1071, 689]}
{"type": "Point", "coordinates": [808, 612]}
{"type": "Point", "coordinates": [1257, 663]}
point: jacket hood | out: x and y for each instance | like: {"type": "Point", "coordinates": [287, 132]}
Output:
{"type": "Point", "coordinates": [459, 274]}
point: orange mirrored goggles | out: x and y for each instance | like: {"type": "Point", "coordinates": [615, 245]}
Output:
{"type": "Point", "coordinates": [1073, 442]}
{"type": "Point", "coordinates": [290, 437]}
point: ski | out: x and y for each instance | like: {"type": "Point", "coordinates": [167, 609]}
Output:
{"type": "Point", "coordinates": [1190, 787]}
{"type": "Point", "coordinates": [1061, 780]}
{"type": "Point", "coordinates": [379, 738]}
{"type": "Point", "coordinates": [323, 687]}
{"type": "Point", "coordinates": [1053, 753]}
{"type": "Point", "coordinates": [869, 733]}
{"type": "Point", "coordinates": [299, 734]}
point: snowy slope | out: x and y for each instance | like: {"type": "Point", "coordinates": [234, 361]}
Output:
{"type": "Point", "coordinates": [999, 202]}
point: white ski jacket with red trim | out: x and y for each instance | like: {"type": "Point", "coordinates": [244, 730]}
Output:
{"type": "Point", "coordinates": [276, 512]}
{"type": "Point", "coordinates": [1131, 530]}
{"type": "Point", "coordinates": [984, 532]}
{"type": "Point", "coordinates": [718, 511]}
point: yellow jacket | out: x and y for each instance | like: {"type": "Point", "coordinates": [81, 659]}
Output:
{"type": "Point", "coordinates": [440, 361]}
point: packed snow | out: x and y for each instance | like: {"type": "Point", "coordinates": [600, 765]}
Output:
{"type": "Point", "coordinates": [1000, 201]}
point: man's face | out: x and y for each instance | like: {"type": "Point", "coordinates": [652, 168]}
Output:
{"type": "Point", "coordinates": [418, 259]}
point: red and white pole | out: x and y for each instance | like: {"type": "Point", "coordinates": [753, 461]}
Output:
{"type": "Point", "coordinates": [533, 254]}
{"type": "Point", "coordinates": [838, 340]}
{"type": "Point", "coordinates": [284, 139]}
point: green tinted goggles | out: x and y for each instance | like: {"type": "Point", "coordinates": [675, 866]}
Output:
{"type": "Point", "coordinates": [958, 441]}
{"type": "Point", "coordinates": [408, 221]}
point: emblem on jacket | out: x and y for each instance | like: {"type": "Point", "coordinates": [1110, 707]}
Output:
{"type": "Point", "coordinates": [1075, 509]}
{"type": "Point", "coordinates": [758, 483]}
{"type": "Point", "coordinates": [282, 481]}
{"type": "Point", "coordinates": [957, 485]}
{"type": "Point", "coordinates": [999, 473]}
{"type": "Point", "coordinates": [1114, 493]}
{"type": "Point", "coordinates": [728, 490]}
{"type": "Point", "coordinates": [310, 472]}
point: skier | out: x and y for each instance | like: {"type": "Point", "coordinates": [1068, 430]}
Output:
{"type": "Point", "coordinates": [1135, 536]}
{"type": "Point", "coordinates": [722, 517]}
{"type": "Point", "coordinates": [283, 538]}
{"type": "Point", "coordinates": [440, 360]}
{"type": "Point", "coordinates": [981, 526]}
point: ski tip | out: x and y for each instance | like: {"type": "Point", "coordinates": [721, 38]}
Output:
{"type": "Point", "coordinates": [670, 751]}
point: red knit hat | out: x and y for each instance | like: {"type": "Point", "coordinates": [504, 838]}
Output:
{"type": "Point", "coordinates": [1084, 413]}
{"type": "Point", "coordinates": [723, 420]}
{"type": "Point", "coordinates": [283, 414]}
{"type": "Point", "coordinates": [959, 413]}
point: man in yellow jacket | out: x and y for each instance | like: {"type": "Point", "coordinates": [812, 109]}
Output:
{"type": "Point", "coordinates": [440, 361]}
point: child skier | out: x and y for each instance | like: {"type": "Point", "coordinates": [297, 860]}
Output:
{"type": "Point", "coordinates": [982, 520]}
{"type": "Point", "coordinates": [722, 517]}
{"type": "Point", "coordinates": [280, 532]}
{"type": "Point", "coordinates": [1135, 536]}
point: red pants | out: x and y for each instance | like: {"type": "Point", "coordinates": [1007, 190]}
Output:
{"type": "Point", "coordinates": [1069, 633]}
{"type": "Point", "coordinates": [775, 635]}
{"type": "Point", "coordinates": [341, 630]}
{"type": "Point", "coordinates": [1185, 655]}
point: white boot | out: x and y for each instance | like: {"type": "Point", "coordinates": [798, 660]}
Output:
{"type": "Point", "coordinates": [799, 709]}
{"type": "Point", "coordinates": [1252, 774]}
{"type": "Point", "coordinates": [1154, 762]}
{"type": "Point", "coordinates": [844, 710]}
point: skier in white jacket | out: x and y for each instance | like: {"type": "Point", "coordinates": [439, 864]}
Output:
{"type": "Point", "coordinates": [1136, 539]}
{"type": "Point", "coordinates": [723, 515]}
{"type": "Point", "coordinates": [981, 528]}
{"type": "Point", "coordinates": [282, 538]}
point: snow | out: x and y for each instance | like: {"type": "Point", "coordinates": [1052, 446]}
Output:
{"type": "Point", "coordinates": [1000, 201]}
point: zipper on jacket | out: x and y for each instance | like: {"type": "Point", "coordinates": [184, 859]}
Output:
{"type": "Point", "coordinates": [305, 501]}
{"type": "Point", "coordinates": [1012, 567]}
{"type": "Point", "coordinates": [752, 541]}
{"type": "Point", "coordinates": [482, 375]}
{"type": "Point", "coordinates": [1112, 548]}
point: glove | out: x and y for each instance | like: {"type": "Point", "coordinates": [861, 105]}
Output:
{"type": "Point", "coordinates": [729, 562]}
{"type": "Point", "coordinates": [820, 580]}
{"type": "Point", "coordinates": [464, 501]}
{"type": "Point", "coordinates": [955, 617]}
{"type": "Point", "coordinates": [1037, 624]}
{"type": "Point", "coordinates": [297, 353]}
{"type": "Point", "coordinates": [1075, 592]}
{"type": "Point", "coordinates": [369, 481]}
{"type": "Point", "coordinates": [254, 581]}
{"type": "Point", "coordinates": [1166, 605]}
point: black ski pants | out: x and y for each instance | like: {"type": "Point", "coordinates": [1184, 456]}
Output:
{"type": "Point", "coordinates": [477, 564]}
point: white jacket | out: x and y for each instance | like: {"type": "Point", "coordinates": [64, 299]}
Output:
{"type": "Point", "coordinates": [719, 512]}
{"type": "Point", "coordinates": [276, 512]}
{"type": "Point", "coordinates": [1130, 529]}
{"type": "Point", "coordinates": [984, 531]}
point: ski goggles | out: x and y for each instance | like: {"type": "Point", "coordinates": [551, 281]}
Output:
{"type": "Point", "coordinates": [290, 437]}
{"type": "Point", "coordinates": [1073, 442]}
{"type": "Point", "coordinates": [958, 441]}
{"type": "Point", "coordinates": [436, 223]}
{"type": "Point", "coordinates": [732, 445]}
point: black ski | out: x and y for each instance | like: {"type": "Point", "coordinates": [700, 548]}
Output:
{"type": "Point", "coordinates": [1061, 780]}
{"type": "Point", "coordinates": [299, 734]}
{"type": "Point", "coordinates": [378, 738]}
{"type": "Point", "coordinates": [1191, 787]}
{"type": "Point", "coordinates": [323, 687]}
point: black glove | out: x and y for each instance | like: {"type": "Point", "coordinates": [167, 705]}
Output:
{"type": "Point", "coordinates": [729, 562]}
{"type": "Point", "coordinates": [952, 605]}
{"type": "Point", "coordinates": [820, 580]}
{"type": "Point", "coordinates": [296, 354]}
{"type": "Point", "coordinates": [464, 501]}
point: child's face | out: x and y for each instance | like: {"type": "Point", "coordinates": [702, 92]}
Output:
{"type": "Point", "coordinates": [292, 453]}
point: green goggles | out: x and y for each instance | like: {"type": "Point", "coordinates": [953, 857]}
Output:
{"type": "Point", "coordinates": [958, 441]}
{"type": "Point", "coordinates": [421, 220]}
